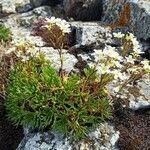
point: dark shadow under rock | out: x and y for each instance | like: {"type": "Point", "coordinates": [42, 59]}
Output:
{"type": "Point", "coordinates": [85, 11]}
{"type": "Point", "coordinates": [134, 128]}
{"type": "Point", "coordinates": [10, 136]}
{"type": "Point", "coordinates": [52, 2]}
{"type": "Point", "coordinates": [146, 48]}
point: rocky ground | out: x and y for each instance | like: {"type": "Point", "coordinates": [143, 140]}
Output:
{"type": "Point", "coordinates": [95, 33]}
{"type": "Point", "coordinates": [133, 127]}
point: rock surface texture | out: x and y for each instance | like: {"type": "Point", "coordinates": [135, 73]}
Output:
{"type": "Point", "coordinates": [91, 33]}
{"type": "Point", "coordinates": [131, 14]}
{"type": "Point", "coordinates": [103, 138]}
{"type": "Point", "coordinates": [10, 6]}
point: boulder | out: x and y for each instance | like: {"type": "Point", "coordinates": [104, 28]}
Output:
{"type": "Point", "coordinates": [134, 14]}
{"type": "Point", "coordinates": [103, 138]}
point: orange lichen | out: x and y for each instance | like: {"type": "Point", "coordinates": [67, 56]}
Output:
{"type": "Point", "coordinates": [124, 17]}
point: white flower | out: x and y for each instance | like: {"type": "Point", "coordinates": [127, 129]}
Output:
{"type": "Point", "coordinates": [137, 51]}
{"type": "Point", "coordinates": [146, 64]}
{"type": "Point", "coordinates": [130, 59]}
{"type": "Point", "coordinates": [116, 89]}
{"type": "Point", "coordinates": [50, 20]}
{"type": "Point", "coordinates": [91, 65]}
{"type": "Point", "coordinates": [136, 46]}
{"type": "Point", "coordinates": [117, 64]}
{"type": "Point", "coordinates": [116, 74]}
{"type": "Point", "coordinates": [99, 55]}
{"type": "Point", "coordinates": [133, 70]}
{"type": "Point", "coordinates": [62, 24]}
{"type": "Point", "coordinates": [103, 69]}
{"type": "Point", "coordinates": [135, 43]}
{"type": "Point", "coordinates": [123, 77]}
{"type": "Point", "coordinates": [10, 50]}
{"type": "Point", "coordinates": [118, 35]}
{"type": "Point", "coordinates": [129, 37]}
{"type": "Point", "coordinates": [24, 58]}
{"type": "Point", "coordinates": [111, 52]}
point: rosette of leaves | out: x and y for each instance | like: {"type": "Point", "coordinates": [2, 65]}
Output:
{"type": "Point", "coordinates": [37, 97]}
{"type": "Point", "coordinates": [5, 34]}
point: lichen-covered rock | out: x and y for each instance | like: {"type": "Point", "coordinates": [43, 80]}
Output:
{"type": "Point", "coordinates": [103, 138]}
{"type": "Point", "coordinates": [20, 24]}
{"type": "Point", "coordinates": [134, 14]}
{"type": "Point", "coordinates": [91, 33]}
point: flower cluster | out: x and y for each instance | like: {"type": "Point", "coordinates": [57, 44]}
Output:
{"type": "Point", "coordinates": [120, 68]}
{"type": "Point", "coordinates": [62, 24]}
{"type": "Point", "coordinates": [129, 41]}
{"type": "Point", "coordinates": [23, 49]}
{"type": "Point", "coordinates": [54, 31]}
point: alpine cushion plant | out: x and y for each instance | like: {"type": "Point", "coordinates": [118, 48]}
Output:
{"type": "Point", "coordinates": [37, 97]}
{"type": "Point", "coordinates": [41, 97]}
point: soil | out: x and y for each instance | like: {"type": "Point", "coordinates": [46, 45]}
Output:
{"type": "Point", "coordinates": [134, 127]}
{"type": "Point", "coordinates": [10, 136]}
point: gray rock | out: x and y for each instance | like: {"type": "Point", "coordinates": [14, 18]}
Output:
{"type": "Point", "coordinates": [27, 19]}
{"type": "Point", "coordinates": [137, 11]}
{"type": "Point", "coordinates": [144, 99]}
{"type": "Point", "coordinates": [91, 33]}
{"type": "Point", "coordinates": [25, 8]}
{"type": "Point", "coordinates": [10, 6]}
{"type": "Point", "coordinates": [104, 138]}
{"type": "Point", "coordinates": [53, 55]}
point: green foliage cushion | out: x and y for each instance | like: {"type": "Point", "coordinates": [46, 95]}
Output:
{"type": "Point", "coordinates": [38, 98]}
{"type": "Point", "coordinates": [5, 34]}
